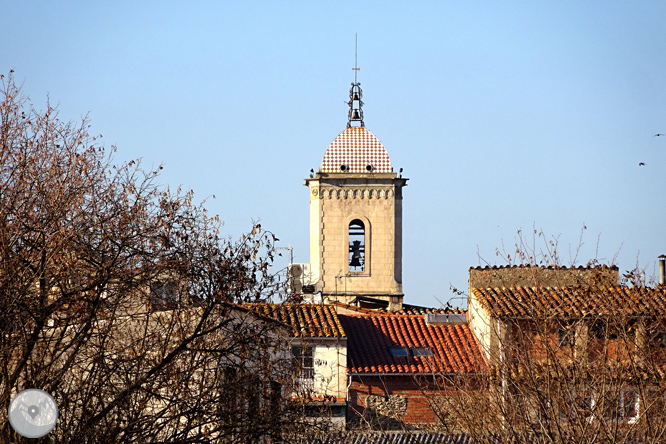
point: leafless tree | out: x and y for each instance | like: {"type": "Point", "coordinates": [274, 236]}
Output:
{"type": "Point", "coordinates": [573, 360]}
{"type": "Point", "coordinates": [121, 300]}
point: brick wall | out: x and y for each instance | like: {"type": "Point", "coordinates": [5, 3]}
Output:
{"type": "Point", "coordinates": [526, 276]}
{"type": "Point", "coordinates": [541, 340]}
{"type": "Point", "coordinates": [386, 402]}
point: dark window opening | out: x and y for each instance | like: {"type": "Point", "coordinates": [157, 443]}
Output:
{"type": "Point", "coordinates": [566, 335]}
{"type": "Point", "coordinates": [356, 245]}
{"type": "Point", "coordinates": [399, 351]}
{"type": "Point", "coordinates": [658, 334]}
{"type": "Point", "coordinates": [610, 330]}
{"type": "Point", "coordinates": [324, 411]}
{"type": "Point", "coordinates": [163, 294]}
{"type": "Point", "coordinates": [629, 404]}
{"type": "Point", "coordinates": [230, 394]}
{"type": "Point", "coordinates": [406, 352]}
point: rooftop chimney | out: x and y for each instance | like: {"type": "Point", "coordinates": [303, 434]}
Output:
{"type": "Point", "coordinates": [662, 266]}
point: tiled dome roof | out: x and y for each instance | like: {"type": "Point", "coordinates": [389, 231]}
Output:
{"type": "Point", "coordinates": [356, 148]}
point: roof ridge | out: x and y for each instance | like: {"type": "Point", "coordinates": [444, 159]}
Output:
{"type": "Point", "coordinates": [572, 301]}
{"type": "Point", "coordinates": [618, 287]}
{"type": "Point", "coordinates": [546, 267]}
{"type": "Point", "coordinates": [393, 314]}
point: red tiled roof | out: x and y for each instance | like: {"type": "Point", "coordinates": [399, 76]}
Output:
{"type": "Point", "coordinates": [305, 320]}
{"type": "Point", "coordinates": [523, 302]}
{"type": "Point", "coordinates": [454, 348]}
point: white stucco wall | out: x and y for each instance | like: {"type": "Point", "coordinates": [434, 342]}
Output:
{"type": "Point", "coordinates": [330, 367]}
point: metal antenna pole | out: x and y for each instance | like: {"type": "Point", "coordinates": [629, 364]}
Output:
{"type": "Point", "coordinates": [291, 252]}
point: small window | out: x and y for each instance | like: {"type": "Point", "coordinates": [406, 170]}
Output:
{"type": "Point", "coordinates": [356, 245]}
{"type": "Point", "coordinates": [399, 351]}
{"type": "Point", "coordinates": [422, 351]}
{"type": "Point", "coordinates": [164, 294]}
{"type": "Point", "coordinates": [602, 330]}
{"type": "Point", "coordinates": [612, 330]}
{"type": "Point", "coordinates": [658, 334]}
{"type": "Point", "coordinates": [275, 400]}
{"type": "Point", "coordinates": [303, 361]}
{"type": "Point", "coordinates": [629, 405]}
{"type": "Point", "coordinates": [566, 335]}
{"type": "Point", "coordinates": [338, 411]}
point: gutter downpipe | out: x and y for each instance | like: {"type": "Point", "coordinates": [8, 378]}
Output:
{"type": "Point", "coordinates": [347, 399]}
{"type": "Point", "coordinates": [502, 370]}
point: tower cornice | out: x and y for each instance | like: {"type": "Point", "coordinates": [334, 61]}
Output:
{"type": "Point", "coordinates": [346, 179]}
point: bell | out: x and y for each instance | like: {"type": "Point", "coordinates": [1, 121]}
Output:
{"type": "Point", "coordinates": [355, 97]}
{"type": "Point", "coordinates": [355, 248]}
{"type": "Point", "coordinates": [355, 115]}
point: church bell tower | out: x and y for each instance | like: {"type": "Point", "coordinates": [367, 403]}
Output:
{"type": "Point", "coordinates": [356, 217]}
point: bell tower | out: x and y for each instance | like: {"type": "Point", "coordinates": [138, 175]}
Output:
{"type": "Point", "coordinates": [356, 216]}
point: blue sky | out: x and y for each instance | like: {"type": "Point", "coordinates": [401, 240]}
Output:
{"type": "Point", "coordinates": [504, 115]}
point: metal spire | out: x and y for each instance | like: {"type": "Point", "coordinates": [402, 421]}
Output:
{"type": "Point", "coordinates": [355, 95]}
{"type": "Point", "coordinates": [356, 68]}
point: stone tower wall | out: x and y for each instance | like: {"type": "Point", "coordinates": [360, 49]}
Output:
{"type": "Point", "coordinates": [334, 203]}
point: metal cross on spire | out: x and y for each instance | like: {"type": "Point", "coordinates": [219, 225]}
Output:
{"type": "Point", "coordinates": [355, 95]}
{"type": "Point", "coordinates": [356, 69]}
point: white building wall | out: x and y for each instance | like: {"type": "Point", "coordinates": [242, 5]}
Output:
{"type": "Point", "coordinates": [330, 368]}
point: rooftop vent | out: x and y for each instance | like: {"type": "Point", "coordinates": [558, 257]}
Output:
{"type": "Point", "coordinates": [445, 319]}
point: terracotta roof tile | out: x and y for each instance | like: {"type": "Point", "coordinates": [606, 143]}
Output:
{"type": "Point", "coordinates": [454, 348]}
{"type": "Point", "coordinates": [305, 320]}
{"type": "Point", "coordinates": [356, 148]}
{"type": "Point", "coordinates": [395, 437]}
{"type": "Point", "coordinates": [521, 302]}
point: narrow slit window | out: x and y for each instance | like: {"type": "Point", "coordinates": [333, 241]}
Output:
{"type": "Point", "coordinates": [356, 245]}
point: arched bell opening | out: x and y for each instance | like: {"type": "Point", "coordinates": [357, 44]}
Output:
{"type": "Point", "coordinates": [356, 246]}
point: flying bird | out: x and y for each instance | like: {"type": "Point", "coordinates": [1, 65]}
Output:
{"type": "Point", "coordinates": [641, 164]}
{"type": "Point", "coordinates": [659, 135]}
